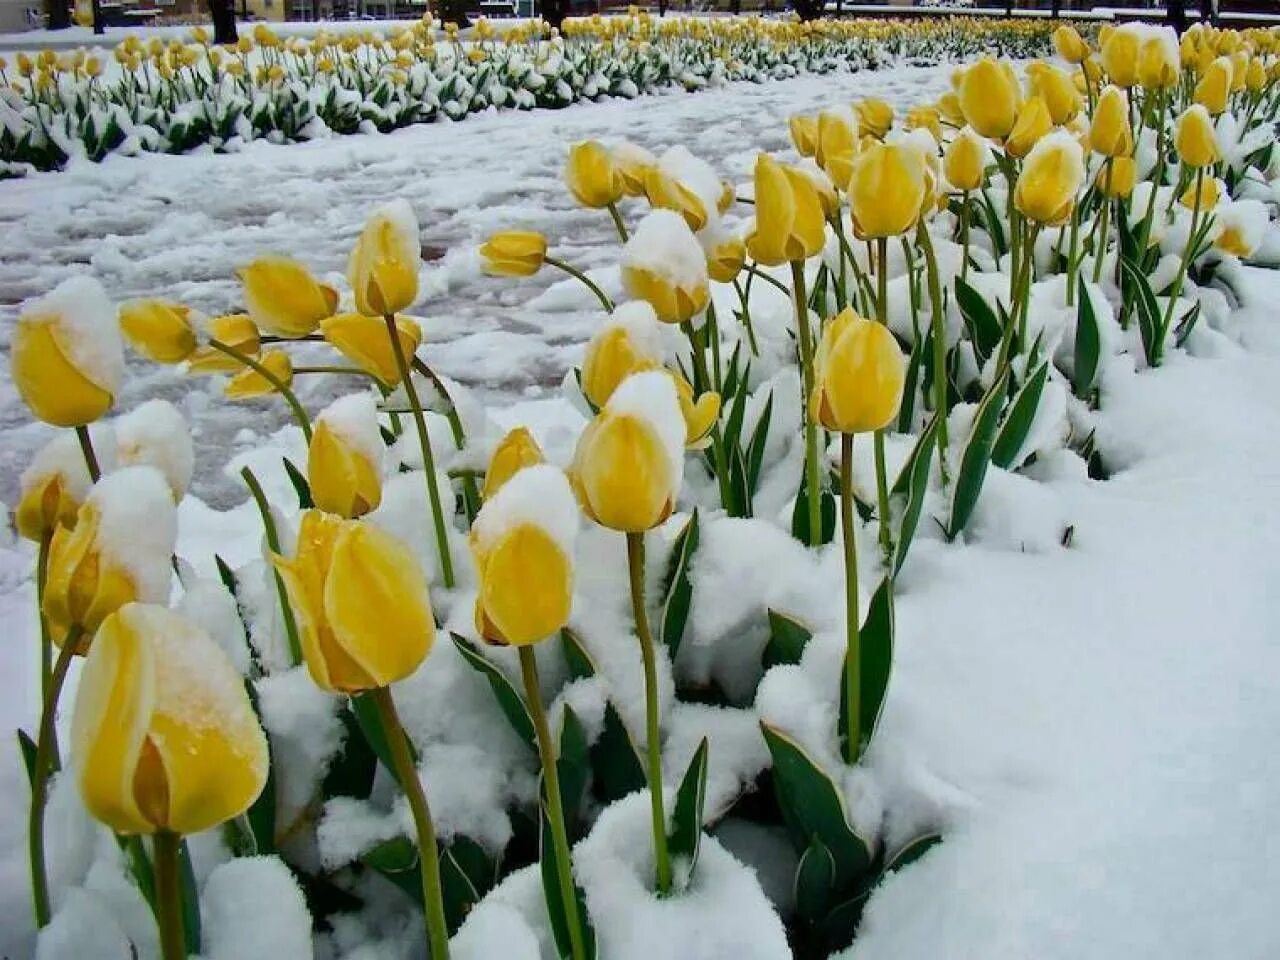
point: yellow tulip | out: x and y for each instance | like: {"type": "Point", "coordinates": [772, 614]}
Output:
{"type": "Point", "coordinates": [364, 341]}
{"type": "Point", "coordinates": [728, 197]}
{"type": "Point", "coordinates": [1239, 70]}
{"type": "Point", "coordinates": [875, 117]}
{"type": "Point", "coordinates": [790, 225]}
{"type": "Point", "coordinates": [1057, 91]}
{"type": "Point", "coordinates": [1193, 137]}
{"type": "Point", "coordinates": [164, 735]}
{"type": "Point", "coordinates": [283, 298]}
{"type": "Point", "coordinates": [699, 415]}
{"type": "Point", "coordinates": [513, 253]}
{"type": "Point", "coordinates": [925, 118]}
{"type": "Point", "coordinates": [236, 330]}
{"type": "Point", "coordinates": [633, 163]}
{"type": "Point", "coordinates": [159, 330]}
{"type": "Point", "coordinates": [664, 265]}
{"type": "Point", "coordinates": [1051, 176]}
{"type": "Point", "coordinates": [837, 144]}
{"type": "Point", "coordinates": [887, 190]}
{"type": "Point", "coordinates": [665, 192]}
{"type": "Point", "coordinates": [1069, 44]}
{"type": "Point", "coordinates": [1255, 76]}
{"type": "Point", "coordinates": [726, 254]}
{"type": "Point", "coordinates": [950, 110]}
{"type": "Point", "coordinates": [106, 560]}
{"type": "Point", "coordinates": [53, 486]}
{"type": "Point", "coordinates": [1032, 124]}
{"type": "Point", "coordinates": [1110, 134]}
{"type": "Point", "coordinates": [591, 175]}
{"type": "Point", "coordinates": [361, 603]}
{"type": "Point", "coordinates": [628, 465]}
{"type": "Point", "coordinates": [1233, 240]}
{"type": "Point", "coordinates": [1158, 64]}
{"type": "Point", "coordinates": [383, 266]}
{"type": "Point", "coordinates": [1214, 87]}
{"type": "Point", "coordinates": [989, 98]}
{"type": "Point", "coordinates": [1119, 182]}
{"type": "Point", "coordinates": [804, 134]}
{"type": "Point", "coordinates": [1120, 56]}
{"type": "Point", "coordinates": [629, 343]}
{"type": "Point", "coordinates": [964, 161]}
{"type": "Point", "coordinates": [513, 453]}
{"type": "Point", "coordinates": [249, 383]}
{"type": "Point", "coordinates": [66, 357]}
{"type": "Point", "coordinates": [1210, 193]}
{"type": "Point", "coordinates": [522, 542]}
{"type": "Point", "coordinates": [859, 372]}
{"type": "Point", "coordinates": [344, 460]}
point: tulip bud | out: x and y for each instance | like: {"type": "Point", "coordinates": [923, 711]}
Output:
{"type": "Point", "coordinates": [283, 298]}
{"type": "Point", "coordinates": [383, 266]}
{"type": "Point", "coordinates": [989, 98]}
{"type": "Point", "coordinates": [159, 330]}
{"type": "Point", "coordinates": [513, 453]}
{"type": "Point", "coordinates": [66, 357]}
{"type": "Point", "coordinates": [965, 160]}
{"type": "Point", "coordinates": [699, 415]}
{"type": "Point", "coordinates": [1057, 91]}
{"type": "Point", "coordinates": [1210, 193]}
{"type": "Point", "coordinates": [118, 551]}
{"type": "Point", "coordinates": [665, 192]}
{"type": "Point", "coordinates": [522, 542]}
{"type": "Point", "coordinates": [249, 384]}
{"type": "Point", "coordinates": [633, 163]}
{"type": "Point", "coordinates": [591, 175]}
{"type": "Point", "coordinates": [1110, 133]}
{"type": "Point", "coordinates": [56, 483]}
{"type": "Point", "coordinates": [790, 225]}
{"type": "Point", "coordinates": [804, 134]}
{"type": "Point", "coordinates": [925, 118]}
{"type": "Point", "coordinates": [513, 253]}
{"type": "Point", "coordinates": [344, 462]}
{"type": "Point", "coordinates": [629, 462]}
{"type": "Point", "coordinates": [1255, 75]}
{"type": "Point", "coordinates": [887, 190]}
{"type": "Point", "coordinates": [237, 331]}
{"type": "Point", "coordinates": [1214, 87]}
{"type": "Point", "coordinates": [1243, 224]}
{"type": "Point", "coordinates": [1069, 44]}
{"type": "Point", "coordinates": [663, 264]}
{"type": "Point", "coordinates": [875, 117]}
{"type": "Point", "coordinates": [361, 603]}
{"type": "Point", "coordinates": [155, 434]}
{"type": "Point", "coordinates": [950, 110]}
{"type": "Point", "coordinates": [1159, 64]}
{"type": "Point", "coordinates": [726, 253]}
{"type": "Point", "coordinates": [1239, 68]}
{"type": "Point", "coordinates": [1117, 178]}
{"type": "Point", "coordinates": [1052, 174]}
{"type": "Point", "coordinates": [1193, 137]}
{"type": "Point", "coordinates": [1120, 56]}
{"type": "Point", "coordinates": [1033, 123]}
{"type": "Point", "coordinates": [859, 372]}
{"type": "Point", "coordinates": [629, 342]}
{"type": "Point", "coordinates": [364, 341]}
{"type": "Point", "coordinates": [837, 143]}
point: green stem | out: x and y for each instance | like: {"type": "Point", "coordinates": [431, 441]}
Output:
{"type": "Point", "coordinates": [713, 337]}
{"type": "Point", "coordinates": [583, 278]}
{"type": "Point", "coordinates": [46, 644]}
{"type": "Point", "coordinates": [842, 297]}
{"type": "Point", "coordinates": [555, 805]}
{"type": "Point", "coordinates": [334, 368]}
{"type": "Point", "coordinates": [635, 569]}
{"type": "Point", "coordinates": [169, 896]}
{"type": "Point", "coordinates": [964, 237]}
{"type": "Point", "coordinates": [618, 222]}
{"type": "Point", "coordinates": [90, 458]}
{"type": "Point", "coordinates": [810, 428]}
{"type": "Point", "coordinates": [853, 640]}
{"type": "Point", "coordinates": [1100, 250]}
{"type": "Point", "coordinates": [1072, 245]}
{"type": "Point", "coordinates": [1028, 277]}
{"type": "Point", "coordinates": [428, 461]}
{"type": "Point", "coordinates": [1183, 264]}
{"type": "Point", "coordinates": [428, 855]}
{"type": "Point", "coordinates": [882, 479]}
{"type": "Point", "coordinates": [746, 316]}
{"type": "Point", "coordinates": [939, 346]}
{"type": "Point", "coordinates": [273, 543]}
{"type": "Point", "coordinates": [40, 775]}
{"type": "Point", "coordinates": [470, 488]}
{"type": "Point", "coordinates": [755, 271]}
{"type": "Point", "coordinates": [277, 384]}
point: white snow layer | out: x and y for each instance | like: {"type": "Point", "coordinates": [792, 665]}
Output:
{"type": "Point", "coordinates": [538, 496]}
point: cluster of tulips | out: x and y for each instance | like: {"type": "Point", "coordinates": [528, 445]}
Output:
{"type": "Point", "coordinates": [158, 96]}
{"type": "Point", "coordinates": [907, 249]}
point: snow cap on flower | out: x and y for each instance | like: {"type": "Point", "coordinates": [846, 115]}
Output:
{"type": "Point", "coordinates": [57, 481]}
{"type": "Point", "coordinates": [344, 461]}
{"type": "Point", "coordinates": [156, 434]}
{"type": "Point", "coordinates": [663, 264]}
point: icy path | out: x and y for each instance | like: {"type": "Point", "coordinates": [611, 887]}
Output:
{"type": "Point", "coordinates": [179, 226]}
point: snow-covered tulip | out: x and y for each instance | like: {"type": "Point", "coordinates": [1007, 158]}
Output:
{"type": "Point", "coordinates": [1255, 75]}
{"type": "Point", "coordinates": [522, 543]}
{"type": "Point", "coordinates": [283, 298]}
{"type": "Point", "coordinates": [1069, 44]}
{"type": "Point", "coordinates": [237, 331]}
{"type": "Point", "coordinates": [249, 384]}
{"type": "Point", "coordinates": [1055, 88]}
{"type": "Point", "coordinates": [1243, 224]}
{"type": "Point", "coordinates": [859, 373]}
{"type": "Point", "coordinates": [364, 341]}
{"type": "Point", "coordinates": [118, 551]}
{"type": "Point", "coordinates": [344, 460]}
{"type": "Point", "coordinates": [629, 462]}
{"type": "Point", "coordinates": [925, 117]}
{"type": "Point", "coordinates": [1194, 139]}
{"type": "Point", "coordinates": [949, 109]}
{"type": "Point", "coordinates": [158, 329]}
{"type": "Point", "coordinates": [514, 452]}
{"type": "Point", "coordinates": [383, 266]}
{"type": "Point", "coordinates": [1214, 87]}
{"type": "Point", "coordinates": [837, 143]}
{"type": "Point", "coordinates": [629, 342]}
{"type": "Point", "coordinates": [1110, 134]}
{"type": "Point", "coordinates": [1116, 179]}
{"type": "Point", "coordinates": [1120, 55]}
{"type": "Point", "coordinates": [1051, 176]}
{"type": "Point", "coordinates": [989, 98]}
{"type": "Point", "coordinates": [513, 253]}
{"type": "Point", "coordinates": [1206, 194]}
{"type": "Point", "coordinates": [875, 117]}
{"type": "Point", "coordinates": [887, 190]}
{"type": "Point", "coordinates": [1033, 123]}
{"type": "Point", "coordinates": [1159, 64]}
{"type": "Point", "coordinates": [56, 482]}
{"type": "Point", "coordinates": [592, 176]}
{"type": "Point", "coordinates": [964, 161]}
{"type": "Point", "coordinates": [804, 133]}
{"type": "Point", "coordinates": [663, 264]}
{"type": "Point", "coordinates": [164, 735]}
{"type": "Point", "coordinates": [633, 163]}
{"type": "Point", "coordinates": [360, 601]}
{"type": "Point", "coordinates": [66, 357]}
{"type": "Point", "coordinates": [699, 415]}
{"type": "Point", "coordinates": [790, 225]}
{"type": "Point", "coordinates": [666, 192]}
{"type": "Point", "coordinates": [726, 253]}
{"type": "Point", "coordinates": [155, 434]}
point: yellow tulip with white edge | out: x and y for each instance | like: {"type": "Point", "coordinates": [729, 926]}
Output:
{"type": "Point", "coordinates": [592, 176]}
{"type": "Point", "coordinates": [283, 298]}
{"type": "Point", "coordinates": [1051, 177]}
{"type": "Point", "coordinates": [514, 452]}
{"type": "Point", "coordinates": [236, 330]}
{"type": "Point", "coordinates": [513, 253]}
{"type": "Point", "coordinates": [875, 117]}
{"type": "Point", "coordinates": [629, 342]}
{"type": "Point", "coordinates": [632, 164]}
{"type": "Point", "coordinates": [56, 482]}
{"type": "Point", "coordinates": [725, 252]}
{"type": "Point", "coordinates": [989, 98]}
{"type": "Point", "coordinates": [383, 266]}
{"type": "Point", "coordinates": [1033, 123]}
{"type": "Point", "coordinates": [790, 221]}
{"type": "Point", "coordinates": [1159, 62]}
{"type": "Point", "coordinates": [364, 341]}
{"type": "Point", "coordinates": [1110, 133]}
{"type": "Point", "coordinates": [344, 460]}
{"type": "Point", "coordinates": [1242, 225]}
{"type": "Point", "coordinates": [250, 384]}
{"type": "Point", "coordinates": [663, 264]}
{"type": "Point", "coordinates": [158, 329]}
{"type": "Point", "coordinates": [1213, 89]}
{"type": "Point", "coordinates": [887, 190]}
{"type": "Point", "coordinates": [859, 372]}
{"type": "Point", "coordinates": [1194, 139]}
{"type": "Point", "coordinates": [665, 192]}
{"type": "Point", "coordinates": [964, 161]}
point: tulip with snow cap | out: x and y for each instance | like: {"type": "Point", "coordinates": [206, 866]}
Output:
{"type": "Point", "coordinates": [804, 134]}
{"type": "Point", "coordinates": [1194, 138]}
{"type": "Point", "coordinates": [1069, 44]}
{"type": "Point", "coordinates": [989, 98]}
{"type": "Point", "coordinates": [364, 341]}
{"type": "Point", "coordinates": [344, 460]}
{"type": "Point", "coordinates": [1243, 224]}
{"type": "Point", "coordinates": [1110, 133]}
{"type": "Point", "coordinates": [875, 117]}
{"type": "Point", "coordinates": [155, 434]}
{"type": "Point", "coordinates": [56, 482]}
{"type": "Point", "coordinates": [887, 190]}
{"type": "Point", "coordinates": [592, 176]}
{"type": "Point", "coordinates": [1051, 176]}
{"type": "Point", "coordinates": [383, 266]}
{"type": "Point", "coordinates": [1214, 88]}
{"type": "Point", "coordinates": [513, 253]}
{"type": "Point", "coordinates": [726, 254]}
{"type": "Point", "coordinates": [158, 329]}
{"type": "Point", "coordinates": [790, 225]}
{"type": "Point", "coordinates": [514, 452]}
{"type": "Point", "coordinates": [633, 163]}
{"type": "Point", "coordinates": [166, 741]}
{"type": "Point", "coordinates": [663, 264]}
{"type": "Point", "coordinates": [283, 298]}
{"type": "Point", "coordinates": [1159, 64]}
{"type": "Point", "coordinates": [629, 342]}
{"type": "Point", "coordinates": [666, 192]}
{"type": "Point", "coordinates": [837, 143]}
{"type": "Point", "coordinates": [235, 330]}
{"type": "Point", "coordinates": [1120, 55]}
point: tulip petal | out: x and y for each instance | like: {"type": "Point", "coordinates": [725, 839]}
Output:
{"type": "Point", "coordinates": [527, 587]}
{"type": "Point", "coordinates": [55, 389]}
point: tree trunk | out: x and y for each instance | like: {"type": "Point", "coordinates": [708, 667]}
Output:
{"type": "Point", "coordinates": [99, 27]}
{"type": "Point", "coordinates": [1177, 10]}
{"type": "Point", "coordinates": [807, 9]}
{"type": "Point", "coordinates": [455, 11]}
{"type": "Point", "coordinates": [58, 14]}
{"type": "Point", "coordinates": [223, 15]}
{"type": "Point", "coordinates": [735, 7]}
{"type": "Point", "coordinates": [1008, 8]}
{"type": "Point", "coordinates": [1055, 8]}
{"type": "Point", "coordinates": [1206, 10]}
{"type": "Point", "coordinates": [553, 11]}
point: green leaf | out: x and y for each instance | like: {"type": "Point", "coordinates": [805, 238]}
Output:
{"type": "Point", "coordinates": [875, 662]}
{"type": "Point", "coordinates": [678, 589]}
{"type": "Point", "coordinates": [581, 666]}
{"type": "Point", "coordinates": [787, 640]}
{"type": "Point", "coordinates": [800, 512]}
{"type": "Point", "coordinates": [190, 898]}
{"type": "Point", "coordinates": [573, 766]}
{"type": "Point", "coordinates": [509, 699]}
{"type": "Point", "coordinates": [913, 483]}
{"type": "Point", "coordinates": [225, 574]}
{"type": "Point", "coordinates": [457, 889]}
{"type": "Point", "coordinates": [300, 485]}
{"type": "Point", "coordinates": [840, 925]}
{"type": "Point", "coordinates": [1018, 420]}
{"type": "Point", "coordinates": [976, 456]}
{"type": "Point", "coordinates": [615, 759]}
{"type": "Point", "coordinates": [907, 412]}
{"type": "Point", "coordinates": [737, 412]}
{"type": "Point", "coordinates": [912, 851]}
{"type": "Point", "coordinates": [397, 855]}
{"type": "Point", "coordinates": [366, 714]}
{"type": "Point", "coordinates": [261, 816]}
{"type": "Point", "coordinates": [1186, 325]}
{"type": "Point", "coordinates": [1150, 323]}
{"type": "Point", "coordinates": [755, 449]}
{"type": "Point", "coordinates": [352, 768]}
{"type": "Point", "coordinates": [730, 385]}
{"type": "Point", "coordinates": [1088, 343]}
{"type": "Point", "coordinates": [812, 806]}
{"type": "Point", "coordinates": [27, 747]}
{"type": "Point", "coordinates": [687, 817]}
{"type": "Point", "coordinates": [980, 320]}
{"type": "Point", "coordinates": [814, 881]}
{"type": "Point", "coordinates": [548, 863]}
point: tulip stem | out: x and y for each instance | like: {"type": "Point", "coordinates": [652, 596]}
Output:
{"type": "Point", "coordinates": [755, 271]}
{"type": "Point", "coordinates": [555, 804]}
{"type": "Point", "coordinates": [90, 458]}
{"type": "Point", "coordinates": [618, 222]}
{"type": "Point", "coordinates": [470, 490]}
{"type": "Point", "coordinates": [853, 640]}
{"type": "Point", "coordinates": [277, 384]}
{"type": "Point", "coordinates": [1072, 265]}
{"type": "Point", "coordinates": [273, 544]}
{"type": "Point", "coordinates": [964, 236]}
{"type": "Point", "coordinates": [812, 494]}
{"type": "Point", "coordinates": [1188, 251]}
{"type": "Point", "coordinates": [173, 945]}
{"type": "Point", "coordinates": [335, 368]}
{"type": "Point", "coordinates": [428, 855]}
{"type": "Point", "coordinates": [428, 461]}
{"type": "Point", "coordinates": [743, 295]}
{"type": "Point", "coordinates": [882, 480]}
{"type": "Point", "coordinates": [587, 281]}
{"type": "Point", "coordinates": [1100, 250]}
{"type": "Point", "coordinates": [939, 346]}
{"type": "Point", "coordinates": [46, 644]}
{"type": "Point", "coordinates": [635, 569]}
{"type": "Point", "coordinates": [45, 738]}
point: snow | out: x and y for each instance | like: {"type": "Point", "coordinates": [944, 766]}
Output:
{"type": "Point", "coordinates": [353, 419]}
{"type": "Point", "coordinates": [156, 434]}
{"type": "Point", "coordinates": [252, 907]}
{"type": "Point", "coordinates": [650, 397]}
{"type": "Point", "coordinates": [537, 496]}
{"type": "Point", "coordinates": [87, 329]}
{"type": "Point", "coordinates": [62, 457]}
{"type": "Point", "coordinates": [137, 528]}
{"type": "Point", "coordinates": [663, 245]}
{"type": "Point", "coordinates": [640, 322]}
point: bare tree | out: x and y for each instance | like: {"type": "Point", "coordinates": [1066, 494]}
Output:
{"type": "Point", "coordinates": [223, 14]}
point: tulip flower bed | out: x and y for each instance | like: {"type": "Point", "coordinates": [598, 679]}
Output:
{"type": "Point", "coordinates": [618, 693]}
{"type": "Point", "coordinates": [177, 97]}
